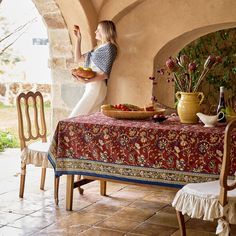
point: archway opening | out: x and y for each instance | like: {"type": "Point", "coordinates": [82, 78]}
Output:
{"type": "Point", "coordinates": [24, 60]}
{"type": "Point", "coordinates": [198, 45]}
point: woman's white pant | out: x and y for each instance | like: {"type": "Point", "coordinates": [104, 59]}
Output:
{"type": "Point", "coordinates": [92, 99]}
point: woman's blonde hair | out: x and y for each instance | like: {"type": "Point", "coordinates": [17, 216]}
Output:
{"type": "Point", "coordinates": [108, 31]}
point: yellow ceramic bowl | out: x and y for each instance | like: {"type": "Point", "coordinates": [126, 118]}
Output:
{"type": "Point", "coordinates": [229, 118]}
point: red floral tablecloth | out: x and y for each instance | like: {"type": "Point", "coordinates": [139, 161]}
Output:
{"type": "Point", "coordinates": [138, 150]}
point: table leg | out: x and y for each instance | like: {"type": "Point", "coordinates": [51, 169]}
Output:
{"type": "Point", "coordinates": [81, 190]}
{"type": "Point", "coordinates": [56, 189]}
{"type": "Point", "coordinates": [103, 187]}
{"type": "Point", "coordinates": [69, 192]}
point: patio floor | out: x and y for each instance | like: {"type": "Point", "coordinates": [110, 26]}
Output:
{"type": "Point", "coordinates": [127, 210]}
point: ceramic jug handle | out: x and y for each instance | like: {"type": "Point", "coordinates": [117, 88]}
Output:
{"type": "Point", "coordinates": [178, 95]}
{"type": "Point", "coordinates": [223, 115]}
{"type": "Point", "coordinates": [201, 96]}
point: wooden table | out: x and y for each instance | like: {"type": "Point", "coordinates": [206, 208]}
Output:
{"type": "Point", "coordinates": [136, 151]}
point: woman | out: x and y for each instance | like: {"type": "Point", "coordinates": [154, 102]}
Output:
{"type": "Point", "coordinates": [100, 59]}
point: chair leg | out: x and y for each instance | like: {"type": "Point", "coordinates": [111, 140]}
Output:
{"type": "Point", "coordinates": [180, 218]}
{"type": "Point", "coordinates": [103, 187]}
{"type": "Point", "coordinates": [22, 179]}
{"type": "Point", "coordinates": [43, 176]}
{"type": "Point", "coordinates": [81, 190]}
{"type": "Point", "coordinates": [56, 189]}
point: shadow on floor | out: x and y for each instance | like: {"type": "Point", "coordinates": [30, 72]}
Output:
{"type": "Point", "coordinates": [127, 210]}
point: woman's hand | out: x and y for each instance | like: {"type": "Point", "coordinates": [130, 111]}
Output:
{"type": "Point", "coordinates": [77, 31]}
{"type": "Point", "coordinates": [80, 79]}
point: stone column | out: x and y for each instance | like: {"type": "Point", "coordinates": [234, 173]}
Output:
{"type": "Point", "coordinates": [65, 91]}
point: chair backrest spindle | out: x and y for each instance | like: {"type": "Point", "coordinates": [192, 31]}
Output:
{"type": "Point", "coordinates": [31, 128]}
{"type": "Point", "coordinates": [227, 158]}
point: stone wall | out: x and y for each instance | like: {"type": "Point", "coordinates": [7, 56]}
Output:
{"type": "Point", "coordinates": [9, 91]}
{"type": "Point", "coordinates": [149, 31]}
{"type": "Point", "coordinates": [65, 92]}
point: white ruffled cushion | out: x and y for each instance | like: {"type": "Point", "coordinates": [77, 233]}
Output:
{"type": "Point", "coordinates": [36, 154]}
{"type": "Point", "coordinates": [201, 201]}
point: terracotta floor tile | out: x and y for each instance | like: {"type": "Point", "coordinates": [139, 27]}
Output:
{"type": "Point", "coordinates": [144, 204]}
{"type": "Point", "coordinates": [134, 214]}
{"type": "Point", "coordinates": [129, 194]}
{"type": "Point", "coordinates": [190, 232]}
{"type": "Point", "coordinates": [102, 208]}
{"type": "Point", "coordinates": [162, 218]}
{"type": "Point", "coordinates": [114, 187]}
{"type": "Point", "coordinates": [57, 230]}
{"type": "Point", "coordinates": [115, 201]}
{"type": "Point", "coordinates": [32, 223]}
{"type": "Point", "coordinates": [149, 229]}
{"type": "Point", "coordinates": [88, 196]}
{"type": "Point", "coordinates": [162, 195]}
{"type": "Point", "coordinates": [82, 218]}
{"type": "Point", "coordinates": [95, 231]}
{"type": "Point", "coordinates": [201, 224]}
{"type": "Point", "coordinates": [57, 213]}
{"type": "Point", "coordinates": [117, 223]}
{"type": "Point", "coordinates": [23, 207]}
{"type": "Point", "coordinates": [148, 188]}
{"type": "Point", "coordinates": [111, 187]}
{"type": "Point", "coordinates": [168, 209]}
{"type": "Point", "coordinates": [131, 234]}
{"type": "Point", "coordinates": [78, 204]}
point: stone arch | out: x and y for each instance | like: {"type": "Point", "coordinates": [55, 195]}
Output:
{"type": "Point", "coordinates": [172, 48]}
{"type": "Point", "coordinates": [82, 13]}
{"type": "Point", "coordinates": [60, 51]}
{"type": "Point", "coordinates": [115, 10]}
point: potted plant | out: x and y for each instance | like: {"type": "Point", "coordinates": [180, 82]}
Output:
{"type": "Point", "coordinates": [187, 78]}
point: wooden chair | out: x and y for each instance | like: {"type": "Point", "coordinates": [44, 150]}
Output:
{"type": "Point", "coordinates": [231, 102]}
{"type": "Point", "coordinates": [211, 200]}
{"type": "Point", "coordinates": [33, 137]}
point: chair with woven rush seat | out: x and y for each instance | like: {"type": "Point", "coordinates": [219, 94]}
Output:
{"type": "Point", "coordinates": [33, 137]}
{"type": "Point", "coordinates": [211, 200]}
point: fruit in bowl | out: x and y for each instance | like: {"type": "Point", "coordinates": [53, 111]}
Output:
{"type": "Point", "coordinates": [159, 118]}
{"type": "Point", "coordinates": [84, 72]}
{"type": "Point", "coordinates": [149, 108]}
{"type": "Point", "coordinates": [128, 111]}
{"type": "Point", "coordinates": [121, 107]}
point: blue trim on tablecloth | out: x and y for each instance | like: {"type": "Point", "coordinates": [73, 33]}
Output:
{"type": "Point", "coordinates": [59, 173]}
{"type": "Point", "coordinates": [131, 180]}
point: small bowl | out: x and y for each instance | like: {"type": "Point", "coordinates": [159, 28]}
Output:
{"type": "Point", "coordinates": [159, 118]}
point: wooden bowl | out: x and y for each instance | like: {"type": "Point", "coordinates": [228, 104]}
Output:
{"type": "Point", "coordinates": [80, 72]}
{"type": "Point", "coordinates": [135, 115]}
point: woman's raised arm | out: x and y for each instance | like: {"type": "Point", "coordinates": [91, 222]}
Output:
{"type": "Point", "coordinates": [78, 57]}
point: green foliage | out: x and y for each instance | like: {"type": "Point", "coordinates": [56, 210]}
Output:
{"type": "Point", "coordinates": [8, 56]}
{"type": "Point", "coordinates": [4, 106]}
{"type": "Point", "coordinates": [221, 43]}
{"type": "Point", "coordinates": [7, 140]}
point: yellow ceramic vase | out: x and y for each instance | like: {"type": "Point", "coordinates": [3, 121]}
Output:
{"type": "Point", "coordinates": [188, 106]}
